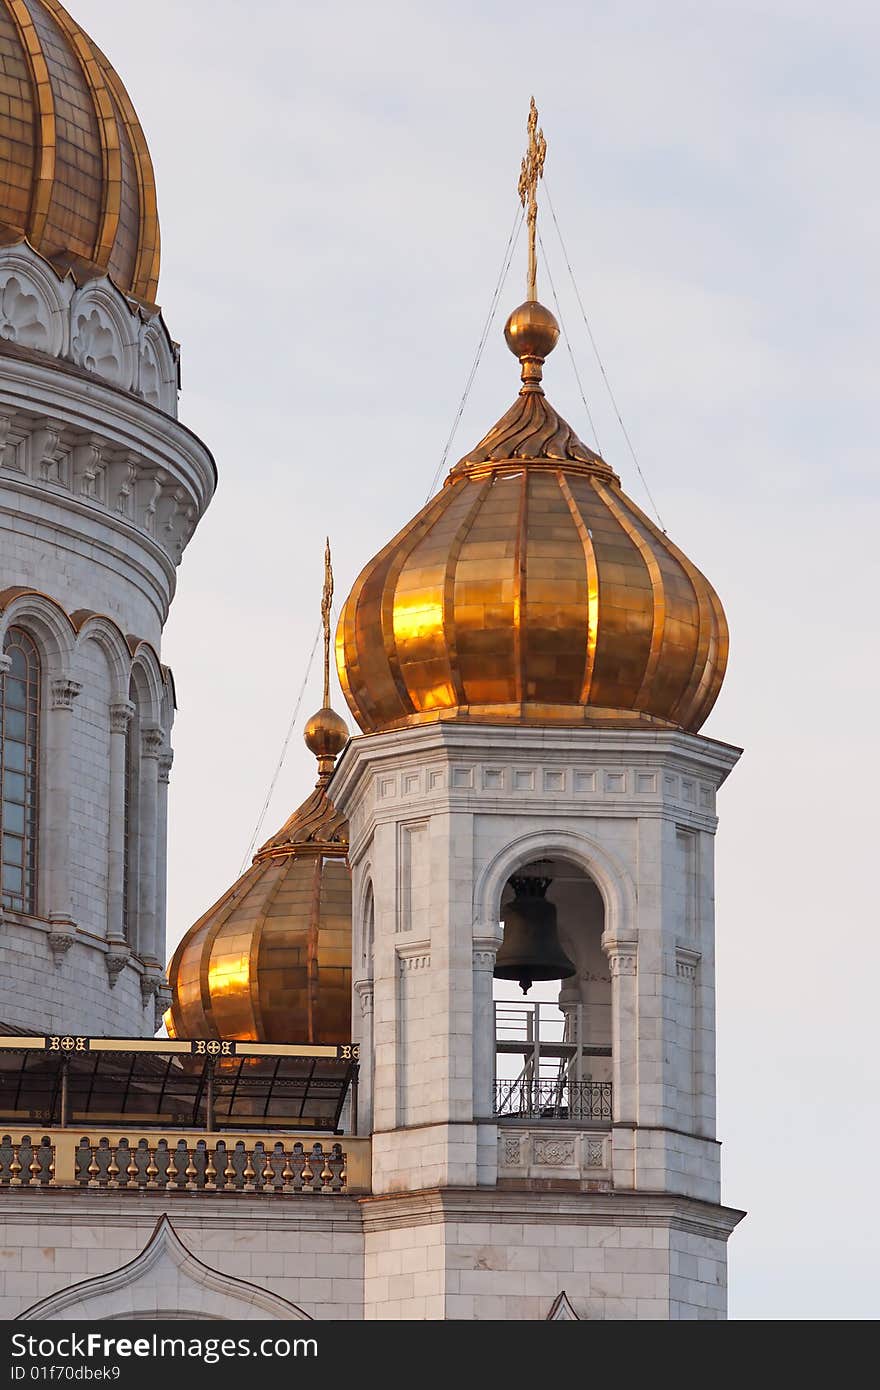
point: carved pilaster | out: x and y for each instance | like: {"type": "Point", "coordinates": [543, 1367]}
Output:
{"type": "Point", "coordinates": [364, 991]}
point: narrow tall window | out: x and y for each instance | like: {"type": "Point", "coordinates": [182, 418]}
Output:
{"type": "Point", "coordinates": [19, 772]}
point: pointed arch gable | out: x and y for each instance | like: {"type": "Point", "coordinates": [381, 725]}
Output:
{"type": "Point", "coordinates": [166, 1280]}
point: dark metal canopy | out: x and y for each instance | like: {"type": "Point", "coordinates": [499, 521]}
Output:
{"type": "Point", "coordinates": [200, 1084]}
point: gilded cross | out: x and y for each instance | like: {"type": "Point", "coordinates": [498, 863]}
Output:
{"type": "Point", "coordinates": [326, 605]}
{"type": "Point", "coordinates": [532, 170]}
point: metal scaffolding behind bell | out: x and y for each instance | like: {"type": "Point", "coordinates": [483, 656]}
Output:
{"type": "Point", "coordinates": [531, 949]}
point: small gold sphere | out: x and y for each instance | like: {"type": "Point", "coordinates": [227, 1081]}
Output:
{"type": "Point", "coordinates": [326, 734]}
{"type": "Point", "coordinates": [531, 331]}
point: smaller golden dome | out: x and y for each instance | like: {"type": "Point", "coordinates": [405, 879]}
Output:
{"type": "Point", "coordinates": [531, 332]}
{"type": "Point", "coordinates": [326, 733]}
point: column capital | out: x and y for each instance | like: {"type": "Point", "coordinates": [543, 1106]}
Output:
{"type": "Point", "coordinates": [622, 957]}
{"type": "Point", "coordinates": [485, 951]}
{"type": "Point", "coordinates": [364, 991]}
{"type": "Point", "coordinates": [121, 714]}
{"type": "Point", "coordinates": [152, 738]}
{"type": "Point", "coordinates": [166, 758]}
{"type": "Point", "coordinates": [63, 692]}
{"type": "Point", "coordinates": [5, 662]}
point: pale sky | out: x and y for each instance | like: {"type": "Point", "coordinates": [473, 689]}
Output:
{"type": "Point", "coordinates": [336, 185]}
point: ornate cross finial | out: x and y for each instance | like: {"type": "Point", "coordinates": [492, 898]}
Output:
{"type": "Point", "coordinates": [532, 169]}
{"type": "Point", "coordinates": [326, 605]}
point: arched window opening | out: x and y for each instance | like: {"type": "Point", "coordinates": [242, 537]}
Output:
{"type": "Point", "coordinates": [553, 1044]}
{"type": "Point", "coordinates": [19, 772]}
{"type": "Point", "coordinates": [129, 819]}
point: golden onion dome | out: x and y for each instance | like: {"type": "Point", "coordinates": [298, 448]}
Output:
{"type": "Point", "coordinates": [76, 177]}
{"type": "Point", "coordinates": [531, 589]}
{"type": "Point", "coordinates": [271, 961]}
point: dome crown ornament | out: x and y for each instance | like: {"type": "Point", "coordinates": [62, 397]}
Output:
{"type": "Point", "coordinates": [531, 589]}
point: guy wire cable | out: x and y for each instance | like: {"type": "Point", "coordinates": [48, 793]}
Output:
{"type": "Point", "coordinates": [280, 764]}
{"type": "Point", "coordinates": [600, 362]}
{"type": "Point", "coordinates": [574, 366]}
{"type": "Point", "coordinates": [487, 328]}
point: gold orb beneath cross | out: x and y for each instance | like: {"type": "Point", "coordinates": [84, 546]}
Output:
{"type": "Point", "coordinates": [531, 331]}
{"type": "Point", "coordinates": [326, 734]}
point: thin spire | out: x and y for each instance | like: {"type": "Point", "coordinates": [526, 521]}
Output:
{"type": "Point", "coordinates": [531, 170]}
{"type": "Point", "coordinates": [326, 605]}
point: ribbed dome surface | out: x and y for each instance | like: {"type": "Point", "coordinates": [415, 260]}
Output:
{"type": "Point", "coordinates": [76, 177]}
{"type": "Point", "coordinates": [531, 589]}
{"type": "Point", "coordinates": [271, 960]}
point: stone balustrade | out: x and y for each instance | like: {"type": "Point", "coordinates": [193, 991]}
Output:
{"type": "Point", "coordinates": [212, 1163]}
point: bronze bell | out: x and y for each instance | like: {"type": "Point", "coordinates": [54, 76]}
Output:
{"type": "Point", "coordinates": [531, 949]}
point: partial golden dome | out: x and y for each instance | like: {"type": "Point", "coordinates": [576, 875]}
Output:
{"type": "Point", "coordinates": [531, 589]}
{"type": "Point", "coordinates": [271, 961]}
{"type": "Point", "coordinates": [76, 177]}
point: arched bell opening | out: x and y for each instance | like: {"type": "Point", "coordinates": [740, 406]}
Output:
{"type": "Point", "coordinates": [553, 1040]}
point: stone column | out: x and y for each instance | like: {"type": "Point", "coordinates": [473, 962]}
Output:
{"type": "Point", "coordinates": [485, 951]}
{"type": "Point", "coordinates": [166, 758]}
{"type": "Point", "coordinates": [121, 712]}
{"type": "Point", "coordinates": [623, 960]}
{"type": "Point", "coordinates": [363, 1121]}
{"type": "Point", "coordinates": [56, 812]}
{"type": "Point", "coordinates": [148, 947]}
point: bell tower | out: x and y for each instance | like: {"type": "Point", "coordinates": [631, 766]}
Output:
{"type": "Point", "coordinates": [530, 661]}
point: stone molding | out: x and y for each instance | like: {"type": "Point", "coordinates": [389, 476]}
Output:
{"type": "Point", "coordinates": [687, 961]}
{"type": "Point", "coordinates": [94, 326]}
{"type": "Point", "coordinates": [438, 1206]}
{"type": "Point", "coordinates": [414, 956]}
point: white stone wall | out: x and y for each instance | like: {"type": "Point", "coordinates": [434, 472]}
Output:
{"type": "Point", "coordinates": [309, 1253]}
{"type": "Point", "coordinates": [100, 490]}
{"type": "Point", "coordinates": [507, 1258]}
{"type": "Point", "coordinates": [436, 1256]}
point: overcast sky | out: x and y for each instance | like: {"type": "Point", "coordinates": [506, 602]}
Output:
{"type": "Point", "coordinates": [336, 185]}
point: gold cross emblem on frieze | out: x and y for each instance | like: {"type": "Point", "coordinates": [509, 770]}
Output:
{"type": "Point", "coordinates": [531, 170]}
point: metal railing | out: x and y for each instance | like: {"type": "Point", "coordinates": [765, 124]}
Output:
{"type": "Point", "coordinates": [212, 1163]}
{"type": "Point", "coordinates": [528, 1099]}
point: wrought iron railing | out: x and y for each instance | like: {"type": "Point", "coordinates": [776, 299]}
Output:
{"type": "Point", "coordinates": [193, 1163]}
{"type": "Point", "coordinates": [553, 1100]}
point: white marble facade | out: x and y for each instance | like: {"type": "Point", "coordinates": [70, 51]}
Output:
{"type": "Point", "coordinates": [100, 490]}
{"type": "Point", "coordinates": [440, 817]}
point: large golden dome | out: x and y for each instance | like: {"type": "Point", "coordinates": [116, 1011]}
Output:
{"type": "Point", "coordinates": [75, 173]}
{"type": "Point", "coordinates": [531, 589]}
{"type": "Point", "coordinates": [271, 961]}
